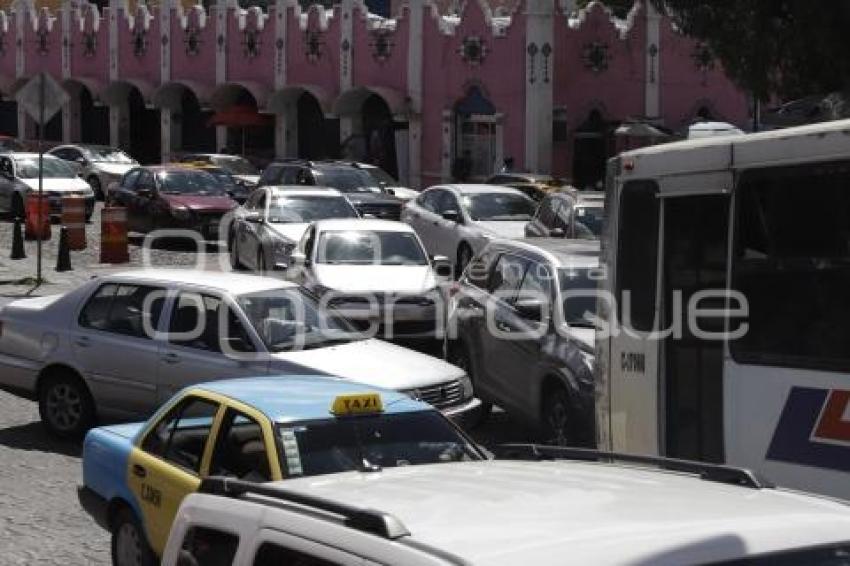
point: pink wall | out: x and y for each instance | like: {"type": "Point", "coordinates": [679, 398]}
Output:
{"type": "Point", "coordinates": [189, 66]}
{"type": "Point", "coordinates": [240, 66]}
{"type": "Point", "coordinates": [142, 66]}
{"type": "Point", "coordinates": [367, 70]}
{"type": "Point", "coordinates": [94, 65]}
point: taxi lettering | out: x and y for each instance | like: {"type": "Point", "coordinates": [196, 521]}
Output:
{"type": "Point", "coordinates": [357, 404]}
{"type": "Point", "coordinates": [151, 495]}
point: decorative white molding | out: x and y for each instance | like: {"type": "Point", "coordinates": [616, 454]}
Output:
{"type": "Point", "coordinates": [256, 12]}
{"type": "Point", "coordinates": [346, 45]}
{"type": "Point", "coordinates": [184, 16]}
{"type": "Point", "coordinates": [539, 80]}
{"type": "Point", "coordinates": [324, 16]}
{"type": "Point", "coordinates": [164, 40]}
{"type": "Point", "coordinates": [87, 12]}
{"type": "Point", "coordinates": [66, 48]}
{"type": "Point", "coordinates": [622, 26]}
{"type": "Point", "coordinates": [142, 15]}
{"type": "Point", "coordinates": [416, 39]}
{"type": "Point", "coordinates": [221, 11]}
{"type": "Point", "coordinates": [652, 53]}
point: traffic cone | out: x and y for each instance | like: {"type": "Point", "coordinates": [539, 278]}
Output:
{"type": "Point", "coordinates": [63, 259]}
{"type": "Point", "coordinates": [18, 241]}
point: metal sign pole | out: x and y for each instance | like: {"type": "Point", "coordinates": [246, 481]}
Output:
{"type": "Point", "coordinates": [40, 175]}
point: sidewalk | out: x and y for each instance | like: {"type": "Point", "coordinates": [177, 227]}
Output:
{"type": "Point", "coordinates": [17, 277]}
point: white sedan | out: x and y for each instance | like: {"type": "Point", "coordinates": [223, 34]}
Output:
{"type": "Point", "coordinates": [376, 273]}
{"type": "Point", "coordinates": [118, 346]}
{"type": "Point", "coordinates": [19, 178]}
{"type": "Point", "coordinates": [457, 220]}
{"type": "Point", "coordinates": [265, 230]}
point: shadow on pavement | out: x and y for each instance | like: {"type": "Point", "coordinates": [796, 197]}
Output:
{"type": "Point", "coordinates": [33, 436]}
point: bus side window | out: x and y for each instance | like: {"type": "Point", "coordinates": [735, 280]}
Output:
{"type": "Point", "coordinates": [637, 255]}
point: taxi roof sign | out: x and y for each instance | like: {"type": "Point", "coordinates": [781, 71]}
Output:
{"type": "Point", "coordinates": [357, 404]}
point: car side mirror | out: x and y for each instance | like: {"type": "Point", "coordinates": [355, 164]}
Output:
{"type": "Point", "coordinates": [81, 161]}
{"type": "Point", "coordinates": [451, 215]}
{"type": "Point", "coordinates": [557, 233]}
{"type": "Point", "coordinates": [389, 191]}
{"type": "Point", "coordinates": [442, 266]}
{"type": "Point", "coordinates": [529, 309]}
{"type": "Point", "coordinates": [298, 258]}
{"type": "Point", "coordinates": [254, 218]}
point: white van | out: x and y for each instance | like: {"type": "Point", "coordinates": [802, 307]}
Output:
{"type": "Point", "coordinates": [504, 513]}
{"type": "Point", "coordinates": [759, 223]}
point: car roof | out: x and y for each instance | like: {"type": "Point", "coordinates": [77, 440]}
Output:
{"type": "Point", "coordinates": [511, 512]}
{"type": "Point", "coordinates": [302, 191]}
{"type": "Point", "coordinates": [472, 189]}
{"type": "Point", "coordinates": [223, 281]}
{"type": "Point", "coordinates": [28, 154]}
{"type": "Point", "coordinates": [561, 252]}
{"type": "Point", "coordinates": [366, 224]}
{"type": "Point", "coordinates": [530, 177]}
{"type": "Point", "coordinates": [168, 167]}
{"type": "Point", "coordinates": [297, 398]}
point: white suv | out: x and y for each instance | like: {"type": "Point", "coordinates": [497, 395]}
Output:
{"type": "Point", "coordinates": [511, 512]}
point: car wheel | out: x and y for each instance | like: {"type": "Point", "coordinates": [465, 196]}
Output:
{"type": "Point", "coordinates": [129, 546]}
{"type": "Point", "coordinates": [65, 406]}
{"type": "Point", "coordinates": [94, 182]}
{"type": "Point", "coordinates": [18, 206]}
{"type": "Point", "coordinates": [464, 256]}
{"type": "Point", "coordinates": [558, 426]}
{"type": "Point", "coordinates": [461, 357]}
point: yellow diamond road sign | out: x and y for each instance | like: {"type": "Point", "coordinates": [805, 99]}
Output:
{"type": "Point", "coordinates": [30, 97]}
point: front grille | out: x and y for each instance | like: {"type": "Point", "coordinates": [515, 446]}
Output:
{"type": "Point", "coordinates": [441, 396]}
{"type": "Point", "coordinates": [384, 211]}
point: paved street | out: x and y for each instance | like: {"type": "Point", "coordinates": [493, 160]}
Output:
{"type": "Point", "coordinates": [41, 521]}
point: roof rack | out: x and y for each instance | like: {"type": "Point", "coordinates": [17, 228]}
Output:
{"type": "Point", "coordinates": [367, 520]}
{"type": "Point", "coordinates": [710, 472]}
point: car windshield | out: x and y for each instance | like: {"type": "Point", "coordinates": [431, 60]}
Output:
{"type": "Point", "coordinates": [236, 165]}
{"type": "Point", "coordinates": [498, 206]}
{"type": "Point", "coordinates": [314, 448]}
{"type": "Point", "coordinates": [307, 209]}
{"type": "Point", "coordinates": [367, 247]}
{"type": "Point", "coordinates": [381, 176]}
{"type": "Point", "coordinates": [347, 180]}
{"type": "Point", "coordinates": [223, 176]}
{"type": "Point", "coordinates": [190, 183]}
{"type": "Point", "coordinates": [579, 309]}
{"type": "Point", "coordinates": [107, 155]}
{"type": "Point", "coordinates": [291, 320]}
{"type": "Point", "coordinates": [53, 168]}
{"type": "Point", "coordinates": [591, 217]}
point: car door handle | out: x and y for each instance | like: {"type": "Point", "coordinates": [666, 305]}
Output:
{"type": "Point", "coordinates": [171, 358]}
{"type": "Point", "coordinates": [83, 342]}
{"type": "Point", "coordinates": [139, 471]}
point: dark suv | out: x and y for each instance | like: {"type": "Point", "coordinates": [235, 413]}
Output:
{"type": "Point", "coordinates": [357, 185]}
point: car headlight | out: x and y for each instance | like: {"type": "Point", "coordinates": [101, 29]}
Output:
{"type": "Point", "coordinates": [466, 385]}
{"type": "Point", "coordinates": [181, 213]}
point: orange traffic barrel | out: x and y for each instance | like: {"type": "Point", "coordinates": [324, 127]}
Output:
{"type": "Point", "coordinates": [74, 218]}
{"type": "Point", "coordinates": [113, 235]}
{"type": "Point", "coordinates": [37, 217]}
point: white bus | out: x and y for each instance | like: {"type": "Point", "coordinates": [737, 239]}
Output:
{"type": "Point", "coordinates": [766, 216]}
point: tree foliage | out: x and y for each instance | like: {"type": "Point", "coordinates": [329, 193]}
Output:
{"type": "Point", "coordinates": [787, 48]}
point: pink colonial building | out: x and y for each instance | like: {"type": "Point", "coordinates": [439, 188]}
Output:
{"type": "Point", "coordinates": [540, 82]}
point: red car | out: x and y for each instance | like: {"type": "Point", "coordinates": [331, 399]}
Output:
{"type": "Point", "coordinates": [172, 197]}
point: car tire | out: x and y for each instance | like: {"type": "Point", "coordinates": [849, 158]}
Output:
{"type": "Point", "coordinates": [460, 356]}
{"type": "Point", "coordinates": [65, 406]}
{"type": "Point", "coordinates": [18, 209]}
{"type": "Point", "coordinates": [129, 546]}
{"type": "Point", "coordinates": [96, 187]}
{"type": "Point", "coordinates": [558, 427]}
{"type": "Point", "coordinates": [464, 256]}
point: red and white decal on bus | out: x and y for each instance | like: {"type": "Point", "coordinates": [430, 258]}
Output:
{"type": "Point", "coordinates": [814, 429]}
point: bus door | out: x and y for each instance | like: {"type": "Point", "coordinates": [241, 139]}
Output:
{"type": "Point", "coordinates": [694, 256]}
{"type": "Point", "coordinates": [632, 372]}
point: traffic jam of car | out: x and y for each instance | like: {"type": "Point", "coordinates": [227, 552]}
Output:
{"type": "Point", "coordinates": [317, 400]}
